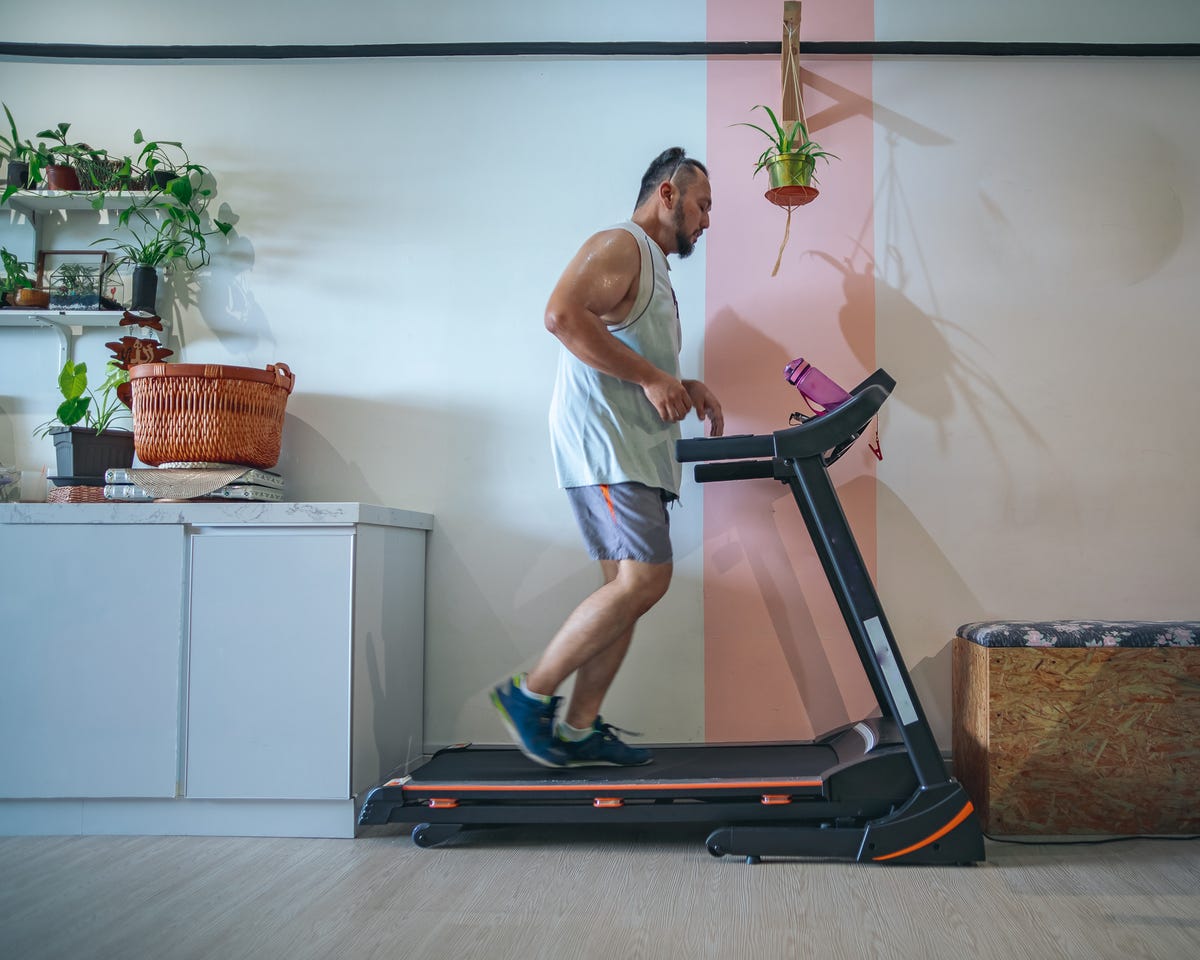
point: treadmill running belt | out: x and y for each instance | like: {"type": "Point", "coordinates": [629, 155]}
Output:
{"type": "Point", "coordinates": [760, 762]}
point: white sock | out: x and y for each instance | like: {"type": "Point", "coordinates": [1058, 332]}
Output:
{"type": "Point", "coordinates": [571, 734]}
{"type": "Point", "coordinates": [529, 693]}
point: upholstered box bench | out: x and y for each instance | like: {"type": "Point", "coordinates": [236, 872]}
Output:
{"type": "Point", "coordinates": [1079, 727]}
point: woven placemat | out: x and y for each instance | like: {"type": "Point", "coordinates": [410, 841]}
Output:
{"type": "Point", "coordinates": [76, 495]}
{"type": "Point", "coordinates": [184, 484]}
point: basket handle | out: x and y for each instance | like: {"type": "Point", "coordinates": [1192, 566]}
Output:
{"type": "Point", "coordinates": [283, 375]}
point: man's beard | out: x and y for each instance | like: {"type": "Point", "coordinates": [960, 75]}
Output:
{"type": "Point", "coordinates": [683, 242]}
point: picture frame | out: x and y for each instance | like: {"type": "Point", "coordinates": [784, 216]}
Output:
{"type": "Point", "coordinates": [73, 277]}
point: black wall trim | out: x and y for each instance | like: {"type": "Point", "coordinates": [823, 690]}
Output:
{"type": "Point", "coordinates": [637, 48]}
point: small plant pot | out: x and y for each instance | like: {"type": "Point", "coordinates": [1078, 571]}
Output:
{"type": "Point", "coordinates": [18, 174]}
{"type": "Point", "coordinates": [160, 178]}
{"type": "Point", "coordinates": [791, 170]}
{"type": "Point", "coordinates": [145, 288]}
{"type": "Point", "coordinates": [31, 299]}
{"type": "Point", "coordinates": [81, 452]}
{"type": "Point", "coordinates": [60, 177]}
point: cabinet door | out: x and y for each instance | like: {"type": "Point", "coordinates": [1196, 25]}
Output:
{"type": "Point", "coordinates": [90, 648]}
{"type": "Point", "coordinates": [269, 665]}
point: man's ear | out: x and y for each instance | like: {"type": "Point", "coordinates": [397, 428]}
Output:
{"type": "Point", "coordinates": [668, 193]}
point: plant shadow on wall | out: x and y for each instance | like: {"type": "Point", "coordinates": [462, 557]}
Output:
{"type": "Point", "coordinates": [949, 377]}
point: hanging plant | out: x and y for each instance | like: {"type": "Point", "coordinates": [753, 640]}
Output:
{"type": "Point", "coordinates": [792, 157]}
{"type": "Point", "coordinates": [790, 161]}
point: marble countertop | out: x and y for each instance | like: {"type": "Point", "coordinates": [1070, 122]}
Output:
{"type": "Point", "coordinates": [216, 514]}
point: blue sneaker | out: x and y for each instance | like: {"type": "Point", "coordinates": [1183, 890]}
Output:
{"type": "Point", "coordinates": [602, 748]}
{"type": "Point", "coordinates": [530, 722]}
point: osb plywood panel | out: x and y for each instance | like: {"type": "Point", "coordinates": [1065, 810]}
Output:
{"type": "Point", "coordinates": [969, 668]}
{"type": "Point", "coordinates": [1084, 741]}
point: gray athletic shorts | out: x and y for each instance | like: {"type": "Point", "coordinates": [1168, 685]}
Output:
{"type": "Point", "coordinates": [623, 521]}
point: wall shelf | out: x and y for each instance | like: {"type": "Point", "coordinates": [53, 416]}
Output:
{"type": "Point", "coordinates": [63, 323]}
{"type": "Point", "coordinates": [35, 205]}
{"type": "Point", "coordinates": [32, 202]}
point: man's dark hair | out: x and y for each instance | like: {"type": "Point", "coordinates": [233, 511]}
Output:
{"type": "Point", "coordinates": [671, 164]}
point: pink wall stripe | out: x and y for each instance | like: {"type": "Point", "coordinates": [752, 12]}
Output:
{"type": "Point", "coordinates": [777, 662]}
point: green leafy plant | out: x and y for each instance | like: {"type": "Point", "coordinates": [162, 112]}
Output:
{"type": "Point", "coordinates": [6, 143]}
{"type": "Point", "coordinates": [166, 221]}
{"type": "Point", "coordinates": [15, 150]}
{"type": "Point", "coordinates": [78, 399]}
{"type": "Point", "coordinates": [58, 152]}
{"type": "Point", "coordinates": [792, 140]}
{"type": "Point", "coordinates": [14, 277]}
{"type": "Point", "coordinates": [169, 223]}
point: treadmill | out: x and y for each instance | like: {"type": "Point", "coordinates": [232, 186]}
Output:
{"type": "Point", "coordinates": [874, 791]}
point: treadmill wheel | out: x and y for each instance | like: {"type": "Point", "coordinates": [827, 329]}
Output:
{"type": "Point", "coordinates": [431, 834]}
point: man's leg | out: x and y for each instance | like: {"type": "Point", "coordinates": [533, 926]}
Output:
{"type": "Point", "coordinates": [593, 679]}
{"type": "Point", "coordinates": [597, 634]}
{"type": "Point", "coordinates": [624, 520]}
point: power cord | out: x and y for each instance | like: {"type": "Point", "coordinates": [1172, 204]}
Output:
{"type": "Point", "coordinates": [1092, 842]}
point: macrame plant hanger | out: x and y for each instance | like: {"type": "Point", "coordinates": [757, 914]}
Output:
{"type": "Point", "coordinates": [790, 196]}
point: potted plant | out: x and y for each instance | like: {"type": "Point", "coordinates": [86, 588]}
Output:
{"type": "Point", "coordinates": [162, 245]}
{"type": "Point", "coordinates": [50, 163]}
{"type": "Point", "coordinates": [16, 288]}
{"type": "Point", "coordinates": [16, 151]}
{"type": "Point", "coordinates": [169, 225]}
{"type": "Point", "coordinates": [165, 160]}
{"type": "Point", "coordinates": [85, 443]}
{"type": "Point", "coordinates": [791, 158]}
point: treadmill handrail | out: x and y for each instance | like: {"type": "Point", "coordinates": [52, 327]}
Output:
{"type": "Point", "coordinates": [806, 440]}
{"type": "Point", "coordinates": [746, 446]}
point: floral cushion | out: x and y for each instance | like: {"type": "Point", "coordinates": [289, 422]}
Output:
{"type": "Point", "coordinates": [1083, 633]}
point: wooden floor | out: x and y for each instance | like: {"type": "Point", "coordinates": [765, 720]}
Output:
{"type": "Point", "coordinates": [570, 894]}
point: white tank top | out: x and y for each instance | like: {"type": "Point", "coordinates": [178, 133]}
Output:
{"type": "Point", "coordinates": [602, 428]}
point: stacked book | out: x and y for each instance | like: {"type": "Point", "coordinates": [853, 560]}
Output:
{"type": "Point", "coordinates": [220, 483]}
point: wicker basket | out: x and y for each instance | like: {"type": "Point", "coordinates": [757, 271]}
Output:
{"type": "Point", "coordinates": [210, 413]}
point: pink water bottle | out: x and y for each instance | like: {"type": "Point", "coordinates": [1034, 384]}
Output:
{"type": "Point", "coordinates": [816, 388]}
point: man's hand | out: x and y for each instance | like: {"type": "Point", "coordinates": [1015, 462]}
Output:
{"type": "Point", "coordinates": [670, 397]}
{"type": "Point", "coordinates": [707, 406]}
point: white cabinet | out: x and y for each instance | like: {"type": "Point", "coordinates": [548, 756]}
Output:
{"type": "Point", "coordinates": [224, 669]}
{"type": "Point", "coordinates": [268, 705]}
{"type": "Point", "coordinates": [90, 660]}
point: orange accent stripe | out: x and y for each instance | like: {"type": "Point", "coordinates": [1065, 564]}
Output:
{"type": "Point", "coordinates": [591, 787]}
{"type": "Point", "coordinates": [612, 512]}
{"type": "Point", "coordinates": [962, 815]}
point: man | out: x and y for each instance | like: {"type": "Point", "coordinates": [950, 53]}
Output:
{"type": "Point", "coordinates": [618, 400]}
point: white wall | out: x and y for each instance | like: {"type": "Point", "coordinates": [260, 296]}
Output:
{"type": "Point", "coordinates": [1037, 235]}
{"type": "Point", "coordinates": [1012, 283]}
{"type": "Point", "coordinates": [401, 224]}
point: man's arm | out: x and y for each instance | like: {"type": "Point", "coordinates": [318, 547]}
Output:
{"type": "Point", "coordinates": [596, 290]}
